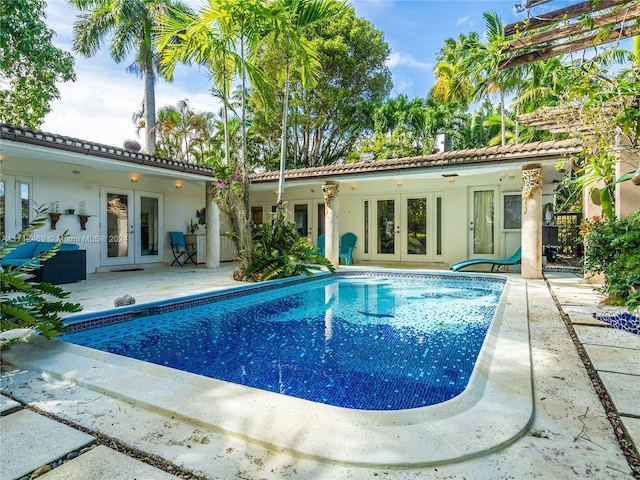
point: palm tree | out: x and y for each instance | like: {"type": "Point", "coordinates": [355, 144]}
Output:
{"type": "Point", "coordinates": [450, 84]}
{"type": "Point", "coordinates": [130, 25]}
{"type": "Point", "coordinates": [223, 35]}
{"type": "Point", "coordinates": [289, 18]}
{"type": "Point", "coordinates": [481, 65]}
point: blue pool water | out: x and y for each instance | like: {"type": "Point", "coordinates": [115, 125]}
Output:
{"type": "Point", "coordinates": [368, 341]}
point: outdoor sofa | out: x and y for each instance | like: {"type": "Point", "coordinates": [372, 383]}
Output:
{"type": "Point", "coordinates": [67, 266]}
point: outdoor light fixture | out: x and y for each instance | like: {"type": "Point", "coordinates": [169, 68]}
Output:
{"type": "Point", "coordinates": [399, 184]}
{"type": "Point", "coordinates": [353, 186]}
{"type": "Point", "coordinates": [178, 185]}
{"type": "Point", "coordinates": [452, 179]}
{"type": "Point", "coordinates": [134, 178]}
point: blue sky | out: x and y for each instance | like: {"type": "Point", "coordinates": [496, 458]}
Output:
{"type": "Point", "coordinates": [99, 105]}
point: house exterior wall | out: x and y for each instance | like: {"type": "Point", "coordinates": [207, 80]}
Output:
{"type": "Point", "coordinates": [456, 208]}
{"type": "Point", "coordinates": [52, 182]}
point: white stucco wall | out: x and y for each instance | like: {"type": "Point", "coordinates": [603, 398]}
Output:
{"type": "Point", "coordinates": [57, 182]}
{"type": "Point", "coordinates": [456, 207]}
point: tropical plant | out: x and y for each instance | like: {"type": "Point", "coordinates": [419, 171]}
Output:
{"type": "Point", "coordinates": [184, 134]}
{"type": "Point", "coordinates": [289, 18]}
{"type": "Point", "coordinates": [481, 64]}
{"type": "Point", "coordinates": [611, 248]}
{"type": "Point", "coordinates": [279, 252]}
{"type": "Point", "coordinates": [223, 36]}
{"type": "Point", "coordinates": [27, 304]}
{"type": "Point", "coordinates": [451, 84]}
{"type": "Point", "coordinates": [30, 66]}
{"type": "Point", "coordinates": [326, 121]}
{"type": "Point", "coordinates": [130, 25]}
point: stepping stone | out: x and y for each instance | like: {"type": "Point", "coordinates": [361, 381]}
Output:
{"type": "Point", "coordinates": [614, 359]}
{"type": "Point", "coordinates": [633, 428]}
{"type": "Point", "coordinates": [608, 337]}
{"type": "Point", "coordinates": [102, 462]}
{"type": "Point", "coordinates": [8, 406]}
{"type": "Point", "coordinates": [624, 390]}
{"type": "Point", "coordinates": [29, 441]}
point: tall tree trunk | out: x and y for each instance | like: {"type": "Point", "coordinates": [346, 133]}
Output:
{"type": "Point", "coordinates": [503, 118]}
{"type": "Point", "coordinates": [246, 203]}
{"type": "Point", "coordinates": [283, 146]}
{"type": "Point", "coordinates": [150, 109]}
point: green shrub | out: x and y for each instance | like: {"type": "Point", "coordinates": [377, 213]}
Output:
{"type": "Point", "coordinates": [279, 252]}
{"type": "Point", "coordinates": [613, 249]}
{"type": "Point", "coordinates": [26, 304]}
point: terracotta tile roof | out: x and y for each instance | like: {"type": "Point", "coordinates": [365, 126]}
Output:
{"type": "Point", "coordinates": [69, 144]}
{"type": "Point", "coordinates": [486, 155]}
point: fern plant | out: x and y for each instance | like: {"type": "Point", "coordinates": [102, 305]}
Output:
{"type": "Point", "coordinates": [279, 252]}
{"type": "Point", "coordinates": [27, 304]}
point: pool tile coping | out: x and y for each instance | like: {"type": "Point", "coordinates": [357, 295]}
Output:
{"type": "Point", "coordinates": [495, 409]}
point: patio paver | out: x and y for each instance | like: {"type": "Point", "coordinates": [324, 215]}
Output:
{"type": "Point", "coordinates": [8, 406]}
{"type": "Point", "coordinates": [29, 441]}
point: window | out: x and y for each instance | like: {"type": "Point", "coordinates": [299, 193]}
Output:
{"type": "Point", "coordinates": [511, 211]}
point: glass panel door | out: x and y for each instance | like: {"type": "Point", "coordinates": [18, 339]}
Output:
{"type": "Point", "coordinates": [387, 229]}
{"type": "Point", "coordinates": [301, 217]}
{"type": "Point", "coordinates": [148, 227]}
{"type": "Point", "coordinates": [483, 225]}
{"type": "Point", "coordinates": [118, 228]}
{"type": "Point", "coordinates": [416, 228]}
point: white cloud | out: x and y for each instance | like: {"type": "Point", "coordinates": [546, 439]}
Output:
{"type": "Point", "coordinates": [397, 59]}
{"type": "Point", "coordinates": [98, 107]}
{"type": "Point", "coordinates": [462, 20]}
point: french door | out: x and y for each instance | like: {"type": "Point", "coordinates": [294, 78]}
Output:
{"type": "Point", "coordinates": [131, 227]}
{"type": "Point", "coordinates": [309, 218]}
{"type": "Point", "coordinates": [407, 228]}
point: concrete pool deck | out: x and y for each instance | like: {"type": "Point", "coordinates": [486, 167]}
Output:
{"type": "Point", "coordinates": [570, 435]}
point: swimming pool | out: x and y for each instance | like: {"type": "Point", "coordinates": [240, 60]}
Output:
{"type": "Point", "coordinates": [363, 341]}
{"type": "Point", "coordinates": [494, 409]}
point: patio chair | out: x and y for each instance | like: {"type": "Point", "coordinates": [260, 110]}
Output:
{"type": "Point", "coordinates": [321, 244]}
{"type": "Point", "coordinates": [495, 264]}
{"type": "Point", "coordinates": [182, 252]}
{"type": "Point", "coordinates": [347, 246]}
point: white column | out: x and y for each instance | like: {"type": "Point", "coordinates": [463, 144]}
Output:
{"type": "Point", "coordinates": [213, 229]}
{"type": "Point", "coordinates": [331, 231]}
{"type": "Point", "coordinates": [531, 221]}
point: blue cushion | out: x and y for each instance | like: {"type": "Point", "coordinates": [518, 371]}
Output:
{"type": "Point", "coordinates": [26, 250]}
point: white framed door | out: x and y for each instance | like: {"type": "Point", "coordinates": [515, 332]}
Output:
{"type": "Point", "coordinates": [309, 218]}
{"type": "Point", "coordinates": [483, 223]}
{"type": "Point", "coordinates": [404, 227]}
{"type": "Point", "coordinates": [131, 227]}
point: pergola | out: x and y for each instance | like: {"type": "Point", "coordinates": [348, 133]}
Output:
{"type": "Point", "coordinates": [567, 30]}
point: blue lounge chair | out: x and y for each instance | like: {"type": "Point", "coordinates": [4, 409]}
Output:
{"type": "Point", "coordinates": [347, 246]}
{"type": "Point", "coordinates": [495, 264]}
{"type": "Point", "coordinates": [182, 252]}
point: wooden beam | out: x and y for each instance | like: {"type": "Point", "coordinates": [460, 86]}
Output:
{"type": "Point", "coordinates": [563, 14]}
{"type": "Point", "coordinates": [568, 47]}
{"type": "Point", "coordinates": [623, 15]}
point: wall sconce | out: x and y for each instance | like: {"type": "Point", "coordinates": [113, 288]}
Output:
{"type": "Point", "coordinates": [134, 178]}
{"type": "Point", "coordinates": [353, 186]}
{"type": "Point", "coordinates": [178, 185]}
{"type": "Point", "coordinates": [511, 175]}
{"type": "Point", "coordinates": [275, 192]}
{"type": "Point", "coordinates": [452, 179]}
{"type": "Point", "coordinates": [399, 183]}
